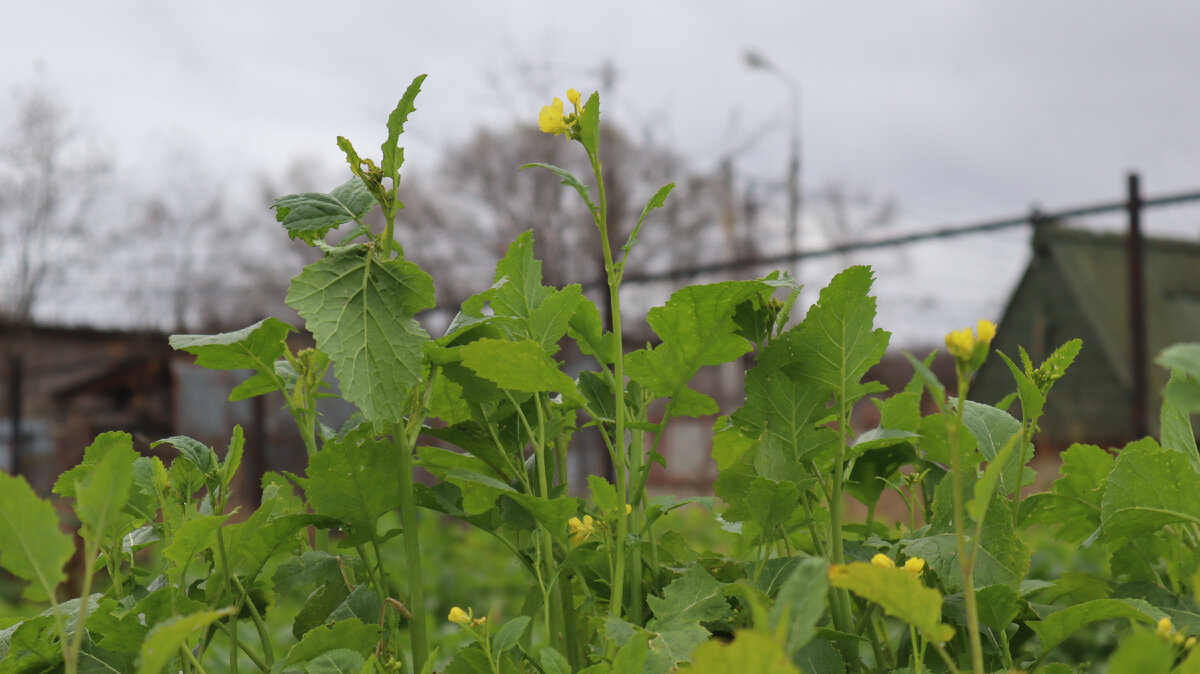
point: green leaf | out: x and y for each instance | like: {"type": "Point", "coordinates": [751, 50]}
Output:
{"type": "Point", "coordinates": [255, 347]}
{"type": "Point", "coordinates": [603, 493]}
{"type": "Point", "coordinates": [1177, 432]}
{"type": "Point", "coordinates": [697, 329]}
{"type": "Point", "coordinates": [351, 634]}
{"type": "Point", "coordinates": [900, 593]}
{"type": "Point", "coordinates": [360, 311]}
{"type": "Point", "coordinates": [568, 179]}
{"type": "Point", "coordinates": [771, 503]}
{"type": "Point", "coordinates": [694, 596]}
{"type": "Point", "coordinates": [1142, 653]}
{"type": "Point", "coordinates": [336, 661]}
{"type": "Point", "coordinates": [587, 329]}
{"type": "Point", "coordinates": [1003, 559]}
{"type": "Point", "coordinates": [195, 536]}
{"type": "Point", "coordinates": [589, 125]}
{"type": "Point", "coordinates": [1185, 357]}
{"type": "Point", "coordinates": [393, 154]}
{"type": "Point", "coordinates": [656, 201]}
{"type": "Point", "coordinates": [1032, 399]}
{"type": "Point", "coordinates": [310, 215]}
{"type": "Point", "coordinates": [779, 407]}
{"type": "Point", "coordinates": [354, 481]}
{"type": "Point", "coordinates": [233, 457]}
{"type": "Point", "coordinates": [197, 453]}
{"type": "Point", "coordinates": [519, 366]}
{"type": "Point", "coordinates": [508, 635]}
{"type": "Point", "coordinates": [998, 606]}
{"type": "Point", "coordinates": [985, 486]}
{"type": "Point", "coordinates": [750, 651]}
{"type": "Point", "coordinates": [836, 344]}
{"type": "Point", "coordinates": [553, 662]}
{"type": "Point", "coordinates": [1058, 626]}
{"type": "Point", "coordinates": [164, 641]}
{"type": "Point", "coordinates": [993, 429]}
{"type": "Point", "coordinates": [31, 545]}
{"type": "Point", "coordinates": [1148, 489]}
{"type": "Point", "coordinates": [800, 604]}
{"type": "Point", "coordinates": [1073, 503]}
{"type": "Point", "coordinates": [253, 544]}
{"type": "Point", "coordinates": [549, 321]}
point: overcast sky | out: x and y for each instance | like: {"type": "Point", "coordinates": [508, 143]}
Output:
{"type": "Point", "coordinates": [960, 110]}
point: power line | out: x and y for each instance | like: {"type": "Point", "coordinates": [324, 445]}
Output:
{"type": "Point", "coordinates": [1032, 218]}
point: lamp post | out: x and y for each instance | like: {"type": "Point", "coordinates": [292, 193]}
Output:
{"type": "Point", "coordinates": [757, 61]}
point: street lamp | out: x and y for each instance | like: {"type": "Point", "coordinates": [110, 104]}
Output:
{"type": "Point", "coordinates": [756, 60]}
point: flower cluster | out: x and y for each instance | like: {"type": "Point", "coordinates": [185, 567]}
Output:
{"type": "Point", "coordinates": [554, 119]}
{"type": "Point", "coordinates": [1166, 631]}
{"type": "Point", "coordinates": [581, 530]}
{"type": "Point", "coordinates": [970, 348]}
{"type": "Point", "coordinates": [914, 565]}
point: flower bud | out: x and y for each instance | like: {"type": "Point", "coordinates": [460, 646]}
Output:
{"type": "Point", "coordinates": [884, 561]}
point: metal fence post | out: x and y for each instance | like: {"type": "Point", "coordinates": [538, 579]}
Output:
{"type": "Point", "coordinates": [1137, 307]}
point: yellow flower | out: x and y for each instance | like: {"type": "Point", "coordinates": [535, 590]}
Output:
{"type": "Point", "coordinates": [552, 119]}
{"type": "Point", "coordinates": [1164, 627]}
{"type": "Point", "coordinates": [581, 530]}
{"type": "Point", "coordinates": [573, 97]}
{"type": "Point", "coordinates": [961, 343]}
{"type": "Point", "coordinates": [883, 561]}
{"type": "Point", "coordinates": [986, 330]}
{"type": "Point", "coordinates": [459, 617]}
{"type": "Point", "coordinates": [628, 509]}
{"type": "Point", "coordinates": [1191, 641]}
{"type": "Point", "coordinates": [914, 565]}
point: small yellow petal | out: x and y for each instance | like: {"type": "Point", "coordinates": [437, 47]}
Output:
{"type": "Point", "coordinates": [628, 509]}
{"type": "Point", "coordinates": [459, 617]}
{"type": "Point", "coordinates": [1191, 641]}
{"type": "Point", "coordinates": [961, 343]}
{"type": "Point", "coordinates": [883, 560]}
{"type": "Point", "coordinates": [1164, 627]}
{"type": "Point", "coordinates": [986, 330]}
{"type": "Point", "coordinates": [573, 97]}
{"type": "Point", "coordinates": [550, 120]}
{"type": "Point", "coordinates": [914, 565]}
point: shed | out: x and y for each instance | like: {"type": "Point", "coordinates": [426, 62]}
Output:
{"type": "Point", "coordinates": [1077, 285]}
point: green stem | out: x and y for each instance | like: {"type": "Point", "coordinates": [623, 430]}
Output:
{"type": "Point", "coordinates": [546, 543]}
{"type": "Point", "coordinates": [191, 658]}
{"type": "Point", "coordinates": [566, 597]}
{"type": "Point", "coordinates": [839, 603]}
{"type": "Point", "coordinates": [228, 573]}
{"type": "Point", "coordinates": [412, 549]}
{"type": "Point", "coordinates": [636, 458]}
{"type": "Point", "coordinates": [264, 636]}
{"type": "Point", "coordinates": [257, 659]}
{"type": "Point", "coordinates": [71, 653]}
{"type": "Point", "coordinates": [965, 561]}
{"type": "Point", "coordinates": [621, 467]}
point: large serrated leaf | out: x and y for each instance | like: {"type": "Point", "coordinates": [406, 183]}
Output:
{"type": "Point", "coordinates": [360, 311]}
{"type": "Point", "coordinates": [354, 481]}
{"type": "Point", "coordinates": [1057, 626]}
{"type": "Point", "coordinates": [310, 215]}
{"type": "Point", "coordinates": [1148, 489]}
{"type": "Point", "coordinates": [751, 651]}
{"type": "Point", "coordinates": [31, 546]}
{"type": "Point", "coordinates": [837, 342]}
{"type": "Point", "coordinates": [694, 596]}
{"type": "Point", "coordinates": [697, 329]}
{"type": "Point", "coordinates": [351, 633]}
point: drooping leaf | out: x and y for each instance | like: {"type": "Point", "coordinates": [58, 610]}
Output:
{"type": "Point", "coordinates": [166, 638]}
{"type": "Point", "coordinates": [360, 310]}
{"type": "Point", "coordinates": [1148, 489]}
{"type": "Point", "coordinates": [656, 201]}
{"type": "Point", "coordinates": [568, 179]}
{"type": "Point", "coordinates": [837, 342]}
{"type": "Point", "coordinates": [310, 215]}
{"type": "Point", "coordinates": [898, 592]}
{"type": "Point", "coordinates": [197, 453]}
{"type": "Point", "coordinates": [31, 545]}
{"type": "Point", "coordinates": [508, 635]}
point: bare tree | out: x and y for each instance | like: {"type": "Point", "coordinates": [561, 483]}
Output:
{"type": "Point", "coordinates": [49, 180]}
{"type": "Point", "coordinates": [845, 213]}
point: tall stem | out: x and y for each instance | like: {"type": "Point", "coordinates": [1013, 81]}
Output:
{"type": "Point", "coordinates": [965, 562]}
{"type": "Point", "coordinates": [839, 603]}
{"type": "Point", "coordinates": [621, 455]}
{"type": "Point", "coordinates": [412, 550]}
